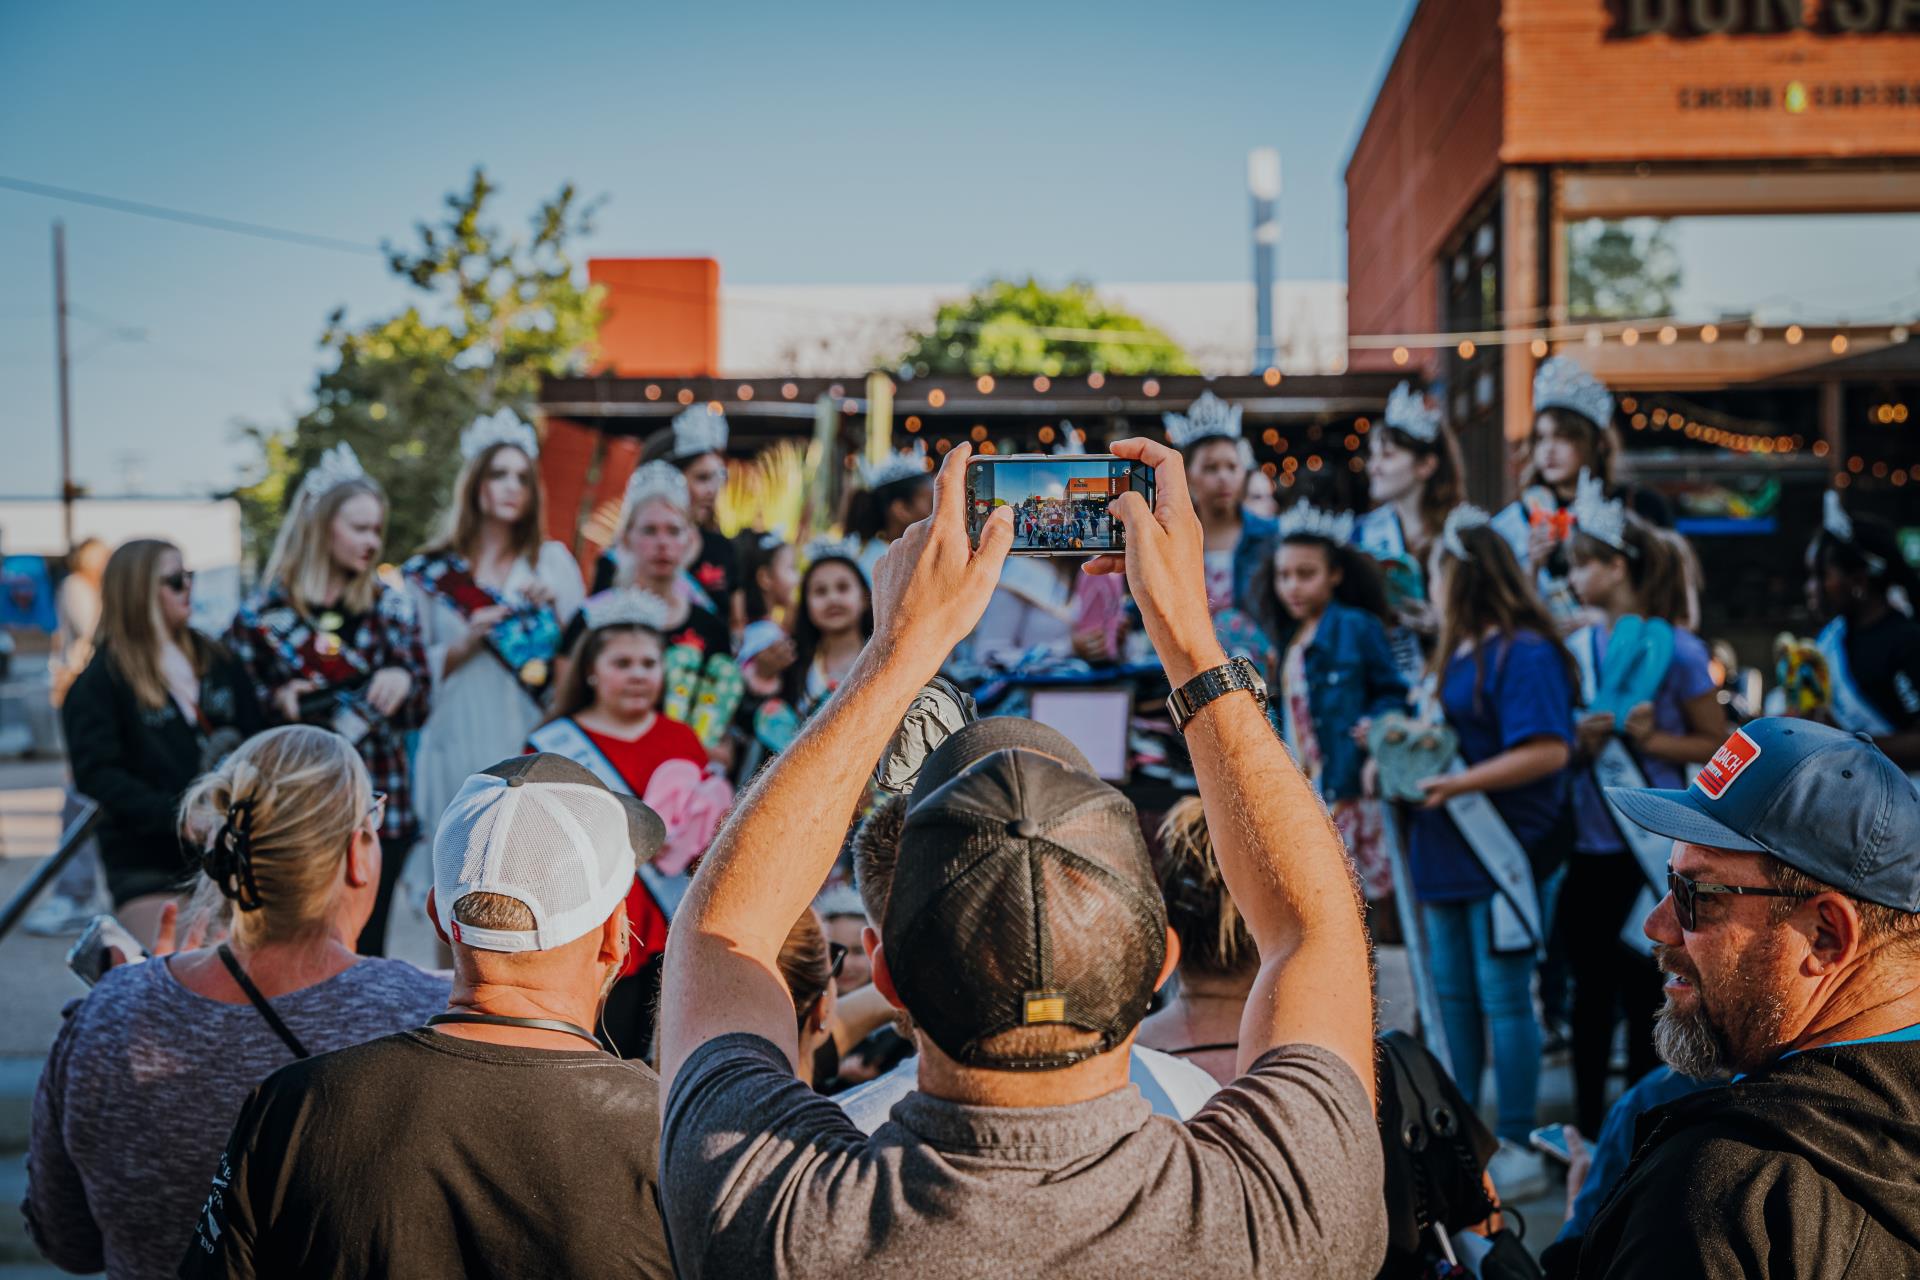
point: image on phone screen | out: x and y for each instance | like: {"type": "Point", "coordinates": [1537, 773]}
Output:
{"type": "Point", "coordinates": [1059, 504]}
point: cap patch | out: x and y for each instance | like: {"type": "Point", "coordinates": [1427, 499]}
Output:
{"type": "Point", "coordinates": [1734, 755]}
{"type": "Point", "coordinates": [1044, 1006]}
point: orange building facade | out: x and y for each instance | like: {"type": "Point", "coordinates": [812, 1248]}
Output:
{"type": "Point", "coordinates": [1712, 204]}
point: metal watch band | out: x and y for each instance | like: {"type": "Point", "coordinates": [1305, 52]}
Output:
{"type": "Point", "coordinates": [1230, 677]}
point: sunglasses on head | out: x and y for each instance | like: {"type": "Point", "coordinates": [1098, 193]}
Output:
{"type": "Point", "coordinates": [180, 581]}
{"type": "Point", "coordinates": [1686, 896]}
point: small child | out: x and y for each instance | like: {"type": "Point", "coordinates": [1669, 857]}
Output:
{"type": "Point", "coordinates": [1336, 669]}
{"type": "Point", "coordinates": [833, 622]}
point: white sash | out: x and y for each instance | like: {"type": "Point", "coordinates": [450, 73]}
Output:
{"type": "Point", "coordinates": [1516, 905]}
{"type": "Point", "coordinates": [563, 737]}
{"type": "Point", "coordinates": [1851, 710]}
{"type": "Point", "coordinates": [1378, 533]}
{"type": "Point", "coordinates": [1616, 767]}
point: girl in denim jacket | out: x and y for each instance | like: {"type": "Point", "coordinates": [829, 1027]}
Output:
{"type": "Point", "coordinates": [1323, 603]}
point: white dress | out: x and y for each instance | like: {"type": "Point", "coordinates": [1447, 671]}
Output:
{"type": "Point", "coordinates": [480, 713]}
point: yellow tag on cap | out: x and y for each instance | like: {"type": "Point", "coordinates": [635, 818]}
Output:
{"type": "Point", "coordinates": [1045, 1006]}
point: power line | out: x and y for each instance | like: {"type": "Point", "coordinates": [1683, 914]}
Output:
{"type": "Point", "coordinates": [233, 226]}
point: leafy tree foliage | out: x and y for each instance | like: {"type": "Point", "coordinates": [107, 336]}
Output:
{"type": "Point", "coordinates": [1621, 270]}
{"type": "Point", "coordinates": [497, 313]}
{"type": "Point", "coordinates": [1023, 327]}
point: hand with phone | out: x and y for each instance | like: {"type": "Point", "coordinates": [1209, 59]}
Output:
{"type": "Point", "coordinates": [1061, 505]}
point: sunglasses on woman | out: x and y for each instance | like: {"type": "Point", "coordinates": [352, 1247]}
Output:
{"type": "Point", "coordinates": [178, 582]}
{"type": "Point", "coordinates": [1686, 896]}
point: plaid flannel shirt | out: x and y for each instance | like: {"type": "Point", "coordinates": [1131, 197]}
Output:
{"type": "Point", "coordinates": [388, 635]}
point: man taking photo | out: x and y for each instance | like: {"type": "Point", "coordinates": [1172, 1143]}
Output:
{"type": "Point", "coordinates": [1791, 939]}
{"type": "Point", "coordinates": [1024, 933]}
{"type": "Point", "coordinates": [501, 1139]}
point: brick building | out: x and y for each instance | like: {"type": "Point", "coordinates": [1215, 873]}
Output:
{"type": "Point", "coordinates": [1713, 204]}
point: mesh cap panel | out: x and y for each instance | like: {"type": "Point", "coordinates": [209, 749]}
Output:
{"type": "Point", "coordinates": [1024, 897]}
{"type": "Point", "coordinates": [563, 848]}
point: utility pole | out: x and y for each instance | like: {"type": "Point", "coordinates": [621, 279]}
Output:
{"type": "Point", "coordinates": [1263, 184]}
{"type": "Point", "coordinates": [66, 400]}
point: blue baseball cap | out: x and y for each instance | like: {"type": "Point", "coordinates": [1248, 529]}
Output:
{"type": "Point", "coordinates": [1823, 801]}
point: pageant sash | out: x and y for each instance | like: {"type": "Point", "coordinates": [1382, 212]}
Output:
{"type": "Point", "coordinates": [565, 738]}
{"type": "Point", "coordinates": [1515, 524]}
{"type": "Point", "coordinates": [1616, 766]}
{"type": "Point", "coordinates": [1850, 710]}
{"type": "Point", "coordinates": [525, 641]}
{"type": "Point", "coordinates": [1378, 533]}
{"type": "Point", "coordinates": [1516, 905]}
{"type": "Point", "coordinates": [1379, 536]}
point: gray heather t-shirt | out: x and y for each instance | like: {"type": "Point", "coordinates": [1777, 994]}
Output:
{"type": "Point", "coordinates": [1279, 1174]}
{"type": "Point", "coordinates": [140, 1091]}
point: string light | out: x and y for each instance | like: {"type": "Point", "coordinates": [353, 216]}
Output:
{"type": "Point", "coordinates": [1270, 437]}
{"type": "Point", "coordinates": [1042, 382]}
{"type": "Point", "coordinates": [745, 392]}
{"type": "Point", "coordinates": [1271, 377]}
{"type": "Point", "coordinates": [942, 445]}
{"type": "Point", "coordinates": [1466, 348]}
{"type": "Point", "coordinates": [685, 396]}
{"type": "Point", "coordinates": [936, 397]}
{"type": "Point", "coordinates": [1794, 334]}
{"type": "Point", "coordinates": [1839, 344]}
{"type": "Point", "coordinates": [1046, 435]}
{"type": "Point", "coordinates": [912, 423]}
{"type": "Point", "coordinates": [1151, 387]}
{"type": "Point", "coordinates": [1821, 448]}
{"type": "Point", "coordinates": [1352, 443]}
{"type": "Point", "coordinates": [714, 406]}
{"type": "Point", "coordinates": [1629, 337]}
{"type": "Point", "coordinates": [1399, 355]}
{"type": "Point", "coordinates": [1668, 335]}
{"type": "Point", "coordinates": [653, 391]}
{"type": "Point", "coordinates": [979, 431]}
{"type": "Point", "coordinates": [1313, 463]}
{"type": "Point", "coordinates": [1356, 465]}
{"type": "Point", "coordinates": [1709, 333]}
{"type": "Point", "coordinates": [1362, 425]}
{"type": "Point", "coordinates": [1539, 348]}
{"type": "Point", "coordinates": [1096, 380]}
{"type": "Point", "coordinates": [789, 390]}
{"type": "Point", "coordinates": [984, 384]}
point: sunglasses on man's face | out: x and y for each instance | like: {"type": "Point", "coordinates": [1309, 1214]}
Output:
{"type": "Point", "coordinates": [1686, 896]}
{"type": "Point", "coordinates": [177, 582]}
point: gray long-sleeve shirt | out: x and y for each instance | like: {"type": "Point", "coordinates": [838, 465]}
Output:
{"type": "Point", "coordinates": [140, 1091]}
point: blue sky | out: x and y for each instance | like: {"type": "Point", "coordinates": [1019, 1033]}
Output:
{"type": "Point", "coordinates": [796, 143]}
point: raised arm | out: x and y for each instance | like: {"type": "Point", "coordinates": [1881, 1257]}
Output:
{"type": "Point", "coordinates": [770, 858]}
{"type": "Point", "coordinates": [1283, 861]}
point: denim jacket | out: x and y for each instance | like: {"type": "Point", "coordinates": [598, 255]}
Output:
{"type": "Point", "coordinates": [1351, 675]}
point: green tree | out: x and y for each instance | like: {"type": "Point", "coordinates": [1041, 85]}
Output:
{"type": "Point", "coordinates": [1023, 327]}
{"type": "Point", "coordinates": [1624, 270]}
{"type": "Point", "coordinates": [499, 313]}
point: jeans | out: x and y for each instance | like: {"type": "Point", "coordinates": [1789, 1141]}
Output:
{"type": "Point", "coordinates": [1476, 988]}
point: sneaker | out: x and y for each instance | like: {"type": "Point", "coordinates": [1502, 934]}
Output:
{"type": "Point", "coordinates": [57, 916]}
{"type": "Point", "coordinates": [1518, 1174]}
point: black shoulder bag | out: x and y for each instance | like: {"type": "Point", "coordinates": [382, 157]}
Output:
{"type": "Point", "coordinates": [260, 1002]}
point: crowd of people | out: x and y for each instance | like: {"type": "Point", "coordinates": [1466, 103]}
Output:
{"type": "Point", "coordinates": [764, 953]}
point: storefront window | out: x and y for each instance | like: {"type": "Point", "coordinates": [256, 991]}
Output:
{"type": "Point", "coordinates": [1811, 268]}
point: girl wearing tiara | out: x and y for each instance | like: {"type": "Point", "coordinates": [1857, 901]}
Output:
{"type": "Point", "coordinates": [328, 643]}
{"type": "Point", "coordinates": [769, 584]}
{"type": "Point", "coordinates": [1414, 478]}
{"type": "Point", "coordinates": [1218, 458]}
{"type": "Point", "coordinates": [695, 443]}
{"type": "Point", "coordinates": [607, 717]}
{"type": "Point", "coordinates": [492, 597]}
{"type": "Point", "coordinates": [1860, 585]}
{"type": "Point", "coordinates": [1323, 606]}
{"type": "Point", "coordinates": [893, 493]}
{"type": "Point", "coordinates": [833, 620]}
{"type": "Point", "coordinates": [1572, 434]}
{"type": "Point", "coordinates": [1651, 706]}
{"type": "Point", "coordinates": [1505, 684]}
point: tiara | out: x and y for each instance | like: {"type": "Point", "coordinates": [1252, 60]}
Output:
{"type": "Point", "coordinates": [1459, 520]}
{"type": "Point", "coordinates": [337, 466]}
{"type": "Point", "coordinates": [1207, 418]}
{"type": "Point", "coordinates": [907, 464]}
{"type": "Point", "coordinates": [503, 427]}
{"type": "Point", "coordinates": [627, 606]}
{"type": "Point", "coordinates": [1561, 383]}
{"type": "Point", "coordinates": [1838, 525]}
{"type": "Point", "coordinates": [655, 480]}
{"type": "Point", "coordinates": [830, 549]}
{"type": "Point", "coordinates": [1599, 516]}
{"type": "Point", "coordinates": [1303, 519]}
{"type": "Point", "coordinates": [697, 430]}
{"type": "Point", "coordinates": [1408, 411]}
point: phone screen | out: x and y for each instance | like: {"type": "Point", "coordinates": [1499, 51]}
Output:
{"type": "Point", "coordinates": [1059, 503]}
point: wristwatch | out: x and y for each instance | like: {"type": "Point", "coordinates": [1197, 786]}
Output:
{"type": "Point", "coordinates": [1184, 703]}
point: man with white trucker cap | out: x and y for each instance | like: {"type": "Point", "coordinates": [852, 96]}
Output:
{"type": "Point", "coordinates": [501, 1139]}
{"type": "Point", "coordinates": [1791, 936]}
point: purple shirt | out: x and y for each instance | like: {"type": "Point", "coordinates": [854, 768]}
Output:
{"type": "Point", "coordinates": [1688, 676]}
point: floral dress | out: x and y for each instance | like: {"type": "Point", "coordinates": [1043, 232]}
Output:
{"type": "Point", "coordinates": [1358, 818]}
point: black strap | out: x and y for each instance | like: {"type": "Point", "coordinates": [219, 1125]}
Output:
{"type": "Point", "coordinates": [1201, 1048]}
{"type": "Point", "coordinates": [502, 1020]}
{"type": "Point", "coordinates": [260, 1002]}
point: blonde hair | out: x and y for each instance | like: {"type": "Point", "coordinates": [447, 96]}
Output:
{"type": "Point", "coordinates": [129, 631]}
{"type": "Point", "coordinates": [302, 559]}
{"type": "Point", "coordinates": [626, 568]}
{"type": "Point", "coordinates": [273, 823]}
{"type": "Point", "coordinates": [1213, 937]}
{"type": "Point", "coordinates": [460, 528]}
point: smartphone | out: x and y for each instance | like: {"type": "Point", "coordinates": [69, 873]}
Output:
{"type": "Point", "coordinates": [92, 952]}
{"type": "Point", "coordinates": [1059, 501]}
{"type": "Point", "coordinates": [1551, 1140]}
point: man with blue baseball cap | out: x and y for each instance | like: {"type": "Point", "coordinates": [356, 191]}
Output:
{"type": "Point", "coordinates": [1790, 935]}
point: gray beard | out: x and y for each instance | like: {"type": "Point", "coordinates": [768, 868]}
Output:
{"type": "Point", "coordinates": [1706, 1047]}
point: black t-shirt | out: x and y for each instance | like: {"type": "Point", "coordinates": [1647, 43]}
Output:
{"type": "Point", "coordinates": [1885, 662]}
{"type": "Point", "coordinates": [421, 1154]}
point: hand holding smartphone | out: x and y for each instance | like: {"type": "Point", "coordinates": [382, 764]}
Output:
{"type": "Point", "coordinates": [102, 945]}
{"type": "Point", "coordinates": [1060, 503]}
